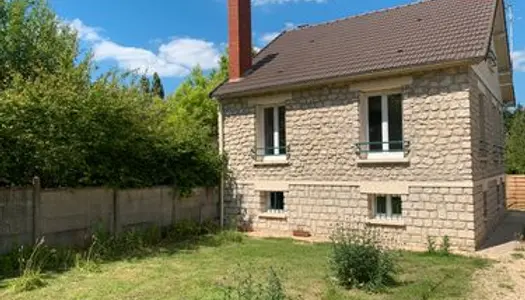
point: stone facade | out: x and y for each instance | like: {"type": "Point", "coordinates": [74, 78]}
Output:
{"type": "Point", "coordinates": [325, 183]}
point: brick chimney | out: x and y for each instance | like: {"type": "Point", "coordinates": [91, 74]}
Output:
{"type": "Point", "coordinates": [240, 37]}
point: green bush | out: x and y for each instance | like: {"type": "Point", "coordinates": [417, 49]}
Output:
{"type": "Point", "coordinates": [359, 261]}
{"type": "Point", "coordinates": [70, 129]}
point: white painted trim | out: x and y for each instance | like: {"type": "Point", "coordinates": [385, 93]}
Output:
{"type": "Point", "coordinates": [385, 156]}
{"type": "Point", "coordinates": [276, 145]}
{"type": "Point", "coordinates": [275, 158]}
{"type": "Point", "coordinates": [385, 160]}
{"type": "Point", "coordinates": [386, 222]}
{"type": "Point", "coordinates": [384, 123]}
{"type": "Point", "coordinates": [261, 134]}
{"type": "Point", "coordinates": [276, 162]}
{"type": "Point", "coordinates": [273, 215]}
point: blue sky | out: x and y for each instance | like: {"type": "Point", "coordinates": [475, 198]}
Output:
{"type": "Point", "coordinates": [172, 36]}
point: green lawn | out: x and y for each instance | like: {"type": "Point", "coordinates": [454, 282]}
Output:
{"type": "Point", "coordinates": [200, 273]}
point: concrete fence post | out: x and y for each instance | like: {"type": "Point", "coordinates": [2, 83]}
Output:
{"type": "Point", "coordinates": [37, 214]}
{"type": "Point", "coordinates": [116, 213]}
{"type": "Point", "coordinates": [174, 200]}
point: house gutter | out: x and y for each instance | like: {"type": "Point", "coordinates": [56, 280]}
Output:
{"type": "Point", "coordinates": [221, 152]}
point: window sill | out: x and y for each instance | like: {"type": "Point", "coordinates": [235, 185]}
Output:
{"type": "Point", "coordinates": [368, 161]}
{"type": "Point", "coordinates": [273, 216]}
{"type": "Point", "coordinates": [283, 162]}
{"type": "Point", "coordinates": [386, 222]}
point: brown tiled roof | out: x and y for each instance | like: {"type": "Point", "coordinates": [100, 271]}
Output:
{"type": "Point", "coordinates": [423, 33]}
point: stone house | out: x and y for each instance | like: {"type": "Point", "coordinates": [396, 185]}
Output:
{"type": "Point", "coordinates": [391, 119]}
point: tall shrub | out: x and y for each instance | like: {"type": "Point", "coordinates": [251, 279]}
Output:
{"type": "Point", "coordinates": [359, 261]}
{"type": "Point", "coordinates": [60, 124]}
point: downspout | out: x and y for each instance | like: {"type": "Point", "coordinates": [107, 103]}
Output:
{"type": "Point", "coordinates": [221, 151]}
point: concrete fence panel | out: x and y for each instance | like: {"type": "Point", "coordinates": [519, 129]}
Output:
{"type": "Point", "coordinates": [67, 217]}
{"type": "Point", "coordinates": [16, 217]}
{"type": "Point", "coordinates": [144, 207]}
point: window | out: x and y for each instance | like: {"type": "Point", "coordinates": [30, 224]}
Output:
{"type": "Point", "coordinates": [272, 137]}
{"type": "Point", "coordinates": [387, 206]}
{"type": "Point", "coordinates": [275, 202]}
{"type": "Point", "coordinates": [384, 125]}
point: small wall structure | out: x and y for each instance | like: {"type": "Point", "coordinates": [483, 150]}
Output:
{"type": "Point", "coordinates": [67, 217]}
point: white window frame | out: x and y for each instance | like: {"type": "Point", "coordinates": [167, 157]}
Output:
{"type": "Point", "coordinates": [261, 141]}
{"type": "Point", "coordinates": [385, 127]}
{"type": "Point", "coordinates": [269, 209]}
{"type": "Point", "coordinates": [389, 215]}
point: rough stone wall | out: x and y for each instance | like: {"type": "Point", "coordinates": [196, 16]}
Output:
{"type": "Point", "coordinates": [489, 207]}
{"type": "Point", "coordinates": [487, 153]}
{"type": "Point", "coordinates": [322, 126]}
{"type": "Point", "coordinates": [487, 157]}
{"type": "Point", "coordinates": [319, 209]}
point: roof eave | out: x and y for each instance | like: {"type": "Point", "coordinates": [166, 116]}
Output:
{"type": "Point", "coordinates": [348, 78]}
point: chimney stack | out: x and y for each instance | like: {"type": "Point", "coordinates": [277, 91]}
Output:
{"type": "Point", "coordinates": [240, 37]}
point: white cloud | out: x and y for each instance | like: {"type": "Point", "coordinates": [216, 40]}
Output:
{"type": "Point", "coordinates": [90, 34]}
{"type": "Point", "coordinates": [518, 59]}
{"type": "Point", "coordinates": [173, 59]}
{"type": "Point", "coordinates": [270, 36]}
{"type": "Point", "coordinates": [264, 2]}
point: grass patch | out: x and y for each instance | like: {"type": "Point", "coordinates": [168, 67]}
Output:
{"type": "Point", "coordinates": [203, 272]}
{"type": "Point", "coordinates": [517, 255]}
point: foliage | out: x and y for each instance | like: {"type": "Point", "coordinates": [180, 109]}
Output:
{"type": "Point", "coordinates": [157, 89]}
{"type": "Point", "coordinates": [31, 276]}
{"type": "Point", "coordinates": [60, 124]}
{"type": "Point", "coordinates": [33, 42]}
{"type": "Point", "coordinates": [445, 246]}
{"type": "Point", "coordinates": [248, 288]}
{"type": "Point", "coordinates": [145, 86]}
{"type": "Point", "coordinates": [191, 102]}
{"type": "Point", "coordinates": [515, 147]}
{"type": "Point", "coordinates": [359, 261]}
{"type": "Point", "coordinates": [431, 245]}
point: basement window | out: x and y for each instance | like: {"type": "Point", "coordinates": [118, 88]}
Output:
{"type": "Point", "coordinates": [275, 202]}
{"type": "Point", "coordinates": [387, 207]}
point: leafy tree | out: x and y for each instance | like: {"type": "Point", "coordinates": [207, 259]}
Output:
{"type": "Point", "coordinates": [157, 88]}
{"type": "Point", "coordinates": [515, 147]}
{"type": "Point", "coordinates": [60, 124]}
{"type": "Point", "coordinates": [191, 102]}
{"type": "Point", "coordinates": [145, 84]}
{"type": "Point", "coordinates": [33, 41]}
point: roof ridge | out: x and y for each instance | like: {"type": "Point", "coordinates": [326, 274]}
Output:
{"type": "Point", "coordinates": [364, 14]}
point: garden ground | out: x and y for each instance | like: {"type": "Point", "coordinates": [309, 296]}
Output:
{"type": "Point", "coordinates": [203, 272]}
